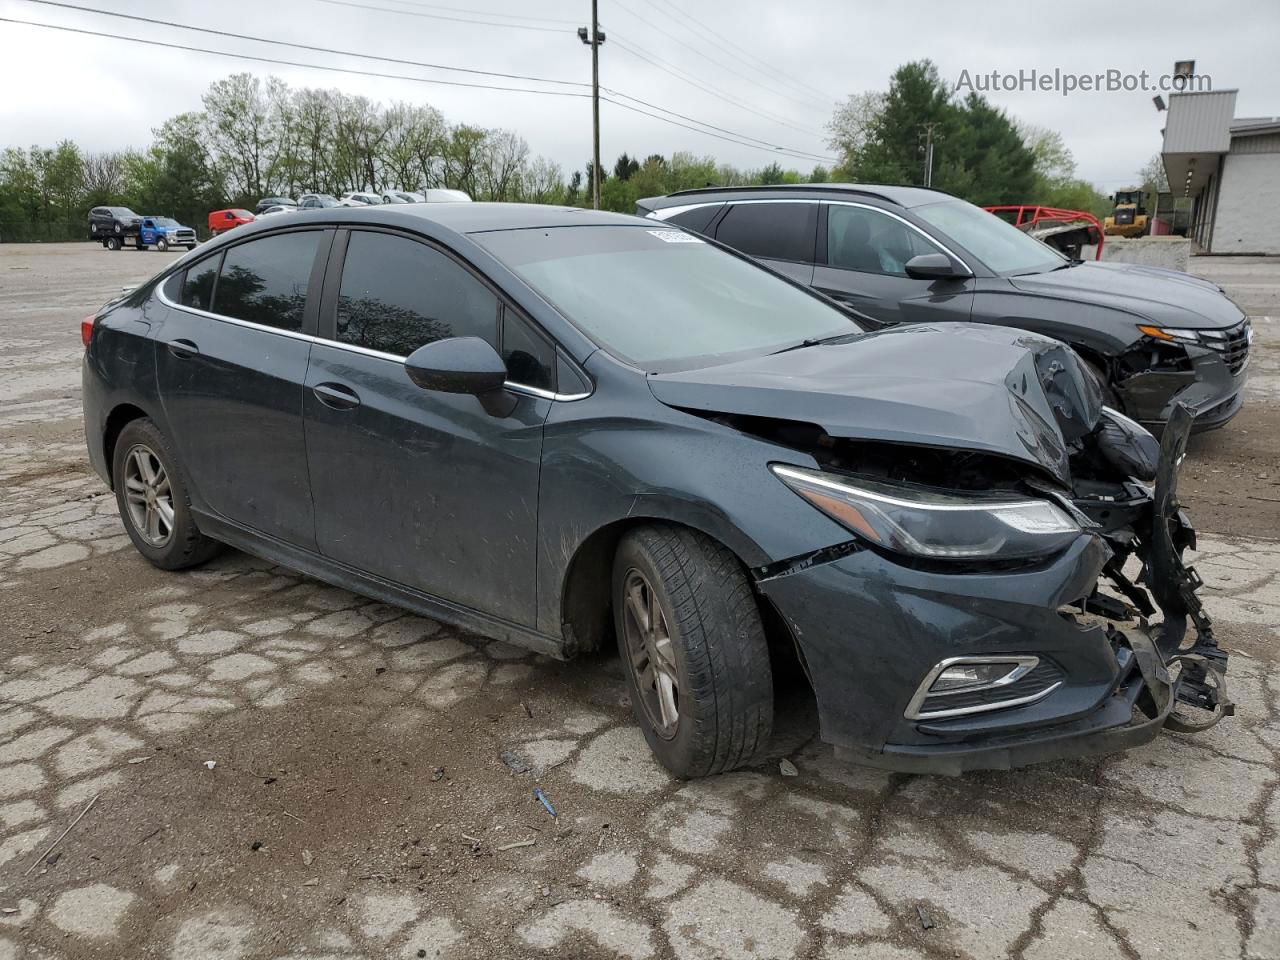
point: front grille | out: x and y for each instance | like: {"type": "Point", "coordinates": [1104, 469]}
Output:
{"type": "Point", "coordinates": [1044, 676]}
{"type": "Point", "coordinates": [1234, 347]}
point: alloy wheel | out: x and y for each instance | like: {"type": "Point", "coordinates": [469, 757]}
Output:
{"type": "Point", "coordinates": [148, 495]}
{"type": "Point", "coordinates": [649, 647]}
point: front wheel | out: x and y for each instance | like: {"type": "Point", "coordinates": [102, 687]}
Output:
{"type": "Point", "coordinates": [154, 504]}
{"type": "Point", "coordinates": [162, 245]}
{"type": "Point", "coordinates": [693, 649]}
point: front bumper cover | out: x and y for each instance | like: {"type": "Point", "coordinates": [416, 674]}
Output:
{"type": "Point", "coordinates": [869, 628]}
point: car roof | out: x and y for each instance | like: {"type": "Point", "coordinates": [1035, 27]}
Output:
{"type": "Point", "coordinates": [902, 196]}
{"type": "Point", "coordinates": [464, 216]}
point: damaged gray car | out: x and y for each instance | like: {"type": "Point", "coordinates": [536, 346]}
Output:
{"type": "Point", "coordinates": [568, 429]}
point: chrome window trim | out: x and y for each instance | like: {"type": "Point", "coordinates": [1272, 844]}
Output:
{"type": "Point", "coordinates": [1029, 661]}
{"type": "Point", "coordinates": [520, 388]}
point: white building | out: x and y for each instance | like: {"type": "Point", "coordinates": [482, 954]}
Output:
{"type": "Point", "coordinates": [1230, 167]}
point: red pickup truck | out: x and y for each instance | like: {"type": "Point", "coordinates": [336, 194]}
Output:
{"type": "Point", "coordinates": [220, 221]}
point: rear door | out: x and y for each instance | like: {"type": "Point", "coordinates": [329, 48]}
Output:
{"type": "Point", "coordinates": [863, 264]}
{"type": "Point", "coordinates": [231, 358]}
{"type": "Point", "coordinates": [780, 233]}
{"type": "Point", "coordinates": [437, 492]}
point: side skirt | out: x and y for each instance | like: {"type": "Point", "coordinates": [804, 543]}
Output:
{"type": "Point", "coordinates": [357, 581]}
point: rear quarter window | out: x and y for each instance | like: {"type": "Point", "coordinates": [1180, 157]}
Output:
{"type": "Point", "coordinates": [697, 219]}
{"type": "Point", "coordinates": [777, 231]}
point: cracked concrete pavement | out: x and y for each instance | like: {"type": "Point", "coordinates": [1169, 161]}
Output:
{"type": "Point", "coordinates": [285, 770]}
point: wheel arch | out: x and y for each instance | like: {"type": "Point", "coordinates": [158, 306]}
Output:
{"type": "Point", "coordinates": [120, 416]}
{"type": "Point", "coordinates": [586, 605]}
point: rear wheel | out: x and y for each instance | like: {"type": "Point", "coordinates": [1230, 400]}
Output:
{"type": "Point", "coordinates": [693, 649]}
{"type": "Point", "coordinates": [151, 494]}
{"type": "Point", "coordinates": [112, 243]}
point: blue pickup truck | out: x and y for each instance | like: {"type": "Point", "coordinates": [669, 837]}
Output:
{"type": "Point", "coordinates": [165, 232]}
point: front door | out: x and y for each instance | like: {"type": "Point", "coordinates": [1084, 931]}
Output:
{"type": "Point", "coordinates": [865, 267]}
{"type": "Point", "coordinates": [437, 492]}
{"type": "Point", "coordinates": [231, 358]}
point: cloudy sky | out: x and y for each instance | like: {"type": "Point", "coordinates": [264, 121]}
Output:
{"type": "Point", "coordinates": [758, 69]}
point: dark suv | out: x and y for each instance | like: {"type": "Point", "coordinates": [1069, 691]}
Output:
{"type": "Point", "coordinates": [560, 427]}
{"type": "Point", "coordinates": [906, 254]}
{"type": "Point", "coordinates": [111, 225]}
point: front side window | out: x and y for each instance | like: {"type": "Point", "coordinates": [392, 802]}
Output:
{"type": "Point", "coordinates": [1004, 248]}
{"type": "Point", "coordinates": [398, 294]}
{"type": "Point", "coordinates": [197, 286]}
{"type": "Point", "coordinates": [662, 298]}
{"type": "Point", "coordinates": [265, 281]}
{"type": "Point", "coordinates": [778, 231]}
{"type": "Point", "coordinates": [860, 238]}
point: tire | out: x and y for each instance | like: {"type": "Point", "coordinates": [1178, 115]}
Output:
{"type": "Point", "coordinates": [112, 243]}
{"type": "Point", "coordinates": [191, 246]}
{"type": "Point", "coordinates": [715, 651]}
{"type": "Point", "coordinates": [162, 245]}
{"type": "Point", "coordinates": [172, 545]}
{"type": "Point", "coordinates": [1109, 397]}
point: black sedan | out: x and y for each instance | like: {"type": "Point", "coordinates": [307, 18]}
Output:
{"type": "Point", "coordinates": [560, 427]}
{"type": "Point", "coordinates": [1154, 337]}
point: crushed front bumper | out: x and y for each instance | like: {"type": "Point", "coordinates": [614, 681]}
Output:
{"type": "Point", "coordinates": [1213, 387]}
{"type": "Point", "coordinates": [869, 628]}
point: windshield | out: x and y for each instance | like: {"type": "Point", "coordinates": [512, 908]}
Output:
{"type": "Point", "coordinates": [243, 214]}
{"type": "Point", "coordinates": [164, 222]}
{"type": "Point", "coordinates": [662, 298]}
{"type": "Point", "coordinates": [1004, 248]}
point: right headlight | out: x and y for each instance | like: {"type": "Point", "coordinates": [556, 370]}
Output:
{"type": "Point", "coordinates": [931, 524]}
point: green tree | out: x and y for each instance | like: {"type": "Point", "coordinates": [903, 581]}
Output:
{"type": "Point", "coordinates": [625, 167]}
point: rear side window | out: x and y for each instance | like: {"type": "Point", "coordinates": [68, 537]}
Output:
{"type": "Point", "coordinates": [697, 219]}
{"type": "Point", "coordinates": [530, 358]}
{"type": "Point", "coordinates": [778, 231]}
{"type": "Point", "coordinates": [265, 281]}
{"type": "Point", "coordinates": [398, 294]}
{"type": "Point", "coordinates": [197, 287]}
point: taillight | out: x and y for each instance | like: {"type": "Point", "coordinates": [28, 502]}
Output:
{"type": "Point", "coordinates": [86, 329]}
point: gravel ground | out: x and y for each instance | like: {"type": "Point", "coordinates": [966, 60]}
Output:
{"type": "Point", "coordinates": [283, 769]}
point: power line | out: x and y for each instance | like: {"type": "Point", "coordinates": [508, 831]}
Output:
{"type": "Point", "coordinates": [702, 53]}
{"type": "Point", "coordinates": [484, 13]}
{"type": "Point", "coordinates": [783, 151]}
{"type": "Point", "coordinates": [667, 67]}
{"type": "Point", "coordinates": [304, 46]}
{"type": "Point", "coordinates": [715, 38]}
{"type": "Point", "coordinates": [760, 145]}
{"type": "Point", "coordinates": [291, 63]}
{"type": "Point", "coordinates": [764, 143]}
{"type": "Point", "coordinates": [440, 16]}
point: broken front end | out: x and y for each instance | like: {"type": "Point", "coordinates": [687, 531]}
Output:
{"type": "Point", "coordinates": [985, 617]}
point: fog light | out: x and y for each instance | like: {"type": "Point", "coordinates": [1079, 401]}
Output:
{"type": "Point", "coordinates": [963, 685]}
{"type": "Point", "coordinates": [966, 676]}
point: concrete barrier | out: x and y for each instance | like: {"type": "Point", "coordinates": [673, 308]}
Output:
{"type": "Point", "coordinates": [1172, 253]}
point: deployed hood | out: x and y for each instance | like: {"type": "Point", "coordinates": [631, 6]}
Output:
{"type": "Point", "coordinates": [1163, 297]}
{"type": "Point", "coordinates": [954, 385]}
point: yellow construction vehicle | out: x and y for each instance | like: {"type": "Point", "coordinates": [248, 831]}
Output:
{"type": "Point", "coordinates": [1129, 218]}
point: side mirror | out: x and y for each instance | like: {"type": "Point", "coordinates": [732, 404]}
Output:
{"type": "Point", "coordinates": [457, 365]}
{"type": "Point", "coordinates": [933, 266]}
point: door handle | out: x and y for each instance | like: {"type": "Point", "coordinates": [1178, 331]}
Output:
{"type": "Point", "coordinates": [183, 349]}
{"type": "Point", "coordinates": [336, 396]}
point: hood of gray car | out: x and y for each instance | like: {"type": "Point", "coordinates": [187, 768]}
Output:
{"type": "Point", "coordinates": [959, 386]}
{"type": "Point", "coordinates": [1165, 297]}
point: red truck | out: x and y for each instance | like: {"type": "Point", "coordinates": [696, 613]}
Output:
{"type": "Point", "coordinates": [220, 221]}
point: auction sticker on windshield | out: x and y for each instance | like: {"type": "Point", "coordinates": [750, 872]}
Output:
{"type": "Point", "coordinates": [674, 236]}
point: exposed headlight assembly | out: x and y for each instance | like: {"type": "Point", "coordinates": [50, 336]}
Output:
{"type": "Point", "coordinates": [1174, 333]}
{"type": "Point", "coordinates": [935, 525]}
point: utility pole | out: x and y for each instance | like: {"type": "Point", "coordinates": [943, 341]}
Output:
{"type": "Point", "coordinates": [594, 39]}
{"type": "Point", "coordinates": [927, 149]}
